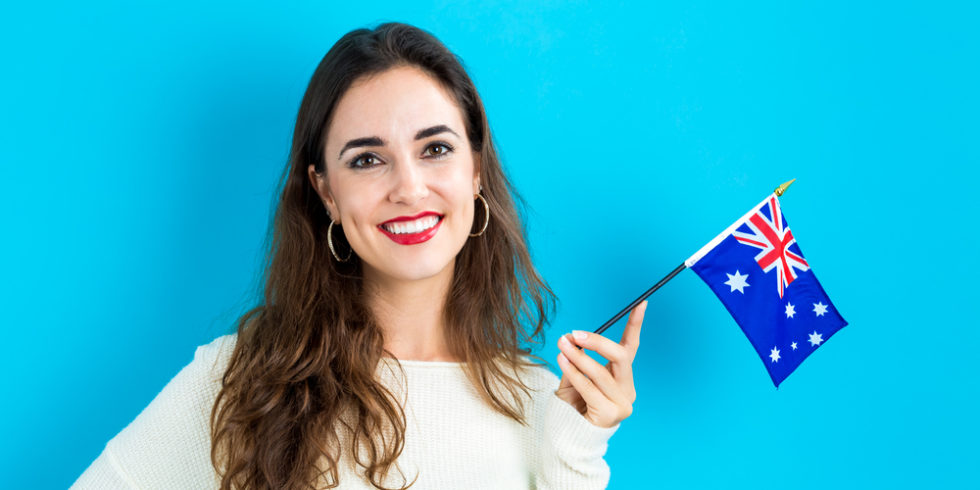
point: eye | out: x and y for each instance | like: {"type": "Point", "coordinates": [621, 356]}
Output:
{"type": "Point", "coordinates": [364, 160]}
{"type": "Point", "coordinates": [438, 150]}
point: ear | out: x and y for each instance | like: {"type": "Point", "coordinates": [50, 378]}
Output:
{"type": "Point", "coordinates": [319, 183]}
{"type": "Point", "coordinates": [477, 166]}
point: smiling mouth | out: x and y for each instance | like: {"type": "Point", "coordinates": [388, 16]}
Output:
{"type": "Point", "coordinates": [411, 232]}
{"type": "Point", "coordinates": [411, 227]}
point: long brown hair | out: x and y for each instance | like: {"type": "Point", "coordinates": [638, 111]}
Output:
{"type": "Point", "coordinates": [305, 361]}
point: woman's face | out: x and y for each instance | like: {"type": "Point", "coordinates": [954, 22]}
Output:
{"type": "Point", "coordinates": [401, 176]}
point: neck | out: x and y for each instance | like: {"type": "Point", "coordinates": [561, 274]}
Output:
{"type": "Point", "coordinates": [410, 313]}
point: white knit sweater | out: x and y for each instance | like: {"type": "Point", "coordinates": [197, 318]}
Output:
{"type": "Point", "coordinates": [453, 439]}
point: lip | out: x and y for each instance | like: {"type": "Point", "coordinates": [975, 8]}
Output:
{"type": "Point", "coordinates": [410, 218]}
{"type": "Point", "coordinates": [412, 238]}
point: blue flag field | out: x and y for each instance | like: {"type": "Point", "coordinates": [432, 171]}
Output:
{"type": "Point", "coordinates": [758, 271]}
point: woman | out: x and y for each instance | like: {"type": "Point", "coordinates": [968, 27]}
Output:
{"type": "Point", "coordinates": [388, 351]}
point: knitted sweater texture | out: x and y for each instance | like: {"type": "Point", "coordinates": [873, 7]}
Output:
{"type": "Point", "coordinates": [453, 439]}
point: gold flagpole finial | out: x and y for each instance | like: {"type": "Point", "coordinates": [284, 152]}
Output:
{"type": "Point", "coordinates": [781, 189]}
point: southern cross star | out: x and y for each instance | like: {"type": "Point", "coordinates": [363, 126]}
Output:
{"type": "Point", "coordinates": [819, 308]}
{"type": "Point", "coordinates": [790, 310]}
{"type": "Point", "coordinates": [816, 338]}
{"type": "Point", "coordinates": [774, 355]}
{"type": "Point", "coordinates": [737, 282]}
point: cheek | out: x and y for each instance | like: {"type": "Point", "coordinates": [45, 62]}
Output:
{"type": "Point", "coordinates": [354, 210]}
{"type": "Point", "coordinates": [465, 207]}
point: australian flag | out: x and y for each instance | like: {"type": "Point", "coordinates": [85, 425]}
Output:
{"type": "Point", "coordinates": [757, 270]}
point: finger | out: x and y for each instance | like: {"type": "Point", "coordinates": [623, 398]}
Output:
{"type": "Point", "coordinates": [631, 333]}
{"type": "Point", "coordinates": [614, 352]}
{"type": "Point", "coordinates": [620, 357]}
{"type": "Point", "coordinates": [597, 374]}
{"type": "Point", "coordinates": [565, 381]}
{"type": "Point", "coordinates": [586, 388]}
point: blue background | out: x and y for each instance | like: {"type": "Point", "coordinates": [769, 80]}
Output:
{"type": "Point", "coordinates": [140, 147]}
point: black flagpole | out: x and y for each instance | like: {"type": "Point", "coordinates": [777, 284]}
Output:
{"type": "Point", "coordinates": [779, 192]}
{"type": "Point", "coordinates": [641, 298]}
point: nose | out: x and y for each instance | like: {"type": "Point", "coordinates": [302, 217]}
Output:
{"type": "Point", "coordinates": [409, 184]}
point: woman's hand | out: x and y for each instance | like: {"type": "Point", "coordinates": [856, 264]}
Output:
{"type": "Point", "coordinates": [604, 395]}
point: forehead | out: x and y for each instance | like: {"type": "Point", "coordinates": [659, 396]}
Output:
{"type": "Point", "coordinates": [393, 105]}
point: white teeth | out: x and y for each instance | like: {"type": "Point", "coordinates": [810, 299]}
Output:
{"type": "Point", "coordinates": [416, 226]}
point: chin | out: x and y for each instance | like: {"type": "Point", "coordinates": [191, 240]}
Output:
{"type": "Point", "coordinates": [414, 270]}
{"type": "Point", "coordinates": [416, 273]}
{"type": "Point", "coordinates": [414, 264]}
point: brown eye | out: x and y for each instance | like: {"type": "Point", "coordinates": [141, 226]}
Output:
{"type": "Point", "coordinates": [366, 160]}
{"type": "Point", "coordinates": [437, 150]}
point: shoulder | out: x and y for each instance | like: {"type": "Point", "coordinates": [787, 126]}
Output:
{"type": "Point", "coordinates": [213, 357]}
{"type": "Point", "coordinates": [169, 442]}
{"type": "Point", "coordinates": [194, 387]}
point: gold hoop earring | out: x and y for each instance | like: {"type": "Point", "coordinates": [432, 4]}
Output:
{"type": "Point", "coordinates": [486, 212]}
{"type": "Point", "coordinates": [330, 244]}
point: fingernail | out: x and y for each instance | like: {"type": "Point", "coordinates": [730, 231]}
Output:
{"type": "Point", "coordinates": [562, 358]}
{"type": "Point", "coordinates": [579, 334]}
{"type": "Point", "coordinates": [564, 341]}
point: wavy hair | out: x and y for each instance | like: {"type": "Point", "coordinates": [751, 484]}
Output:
{"type": "Point", "coordinates": [304, 365]}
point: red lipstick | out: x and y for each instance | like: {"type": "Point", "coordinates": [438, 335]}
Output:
{"type": "Point", "coordinates": [412, 238]}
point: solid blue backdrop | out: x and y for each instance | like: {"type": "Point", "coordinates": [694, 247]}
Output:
{"type": "Point", "coordinates": [140, 147]}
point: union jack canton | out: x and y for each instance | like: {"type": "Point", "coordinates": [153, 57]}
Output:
{"type": "Point", "coordinates": [757, 270]}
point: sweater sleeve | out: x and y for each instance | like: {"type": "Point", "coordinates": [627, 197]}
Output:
{"type": "Point", "coordinates": [571, 448]}
{"type": "Point", "coordinates": [168, 445]}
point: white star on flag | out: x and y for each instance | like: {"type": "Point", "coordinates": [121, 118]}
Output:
{"type": "Point", "coordinates": [774, 355]}
{"type": "Point", "coordinates": [819, 308]}
{"type": "Point", "coordinates": [737, 282]}
{"type": "Point", "coordinates": [790, 310]}
{"type": "Point", "coordinates": [816, 338]}
{"type": "Point", "coordinates": [793, 345]}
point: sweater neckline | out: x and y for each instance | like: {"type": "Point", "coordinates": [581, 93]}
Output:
{"type": "Point", "coordinates": [424, 364]}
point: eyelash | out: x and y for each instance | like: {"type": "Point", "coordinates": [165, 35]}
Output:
{"type": "Point", "coordinates": [353, 163]}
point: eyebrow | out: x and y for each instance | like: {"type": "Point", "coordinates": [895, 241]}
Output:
{"type": "Point", "coordinates": [376, 141]}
